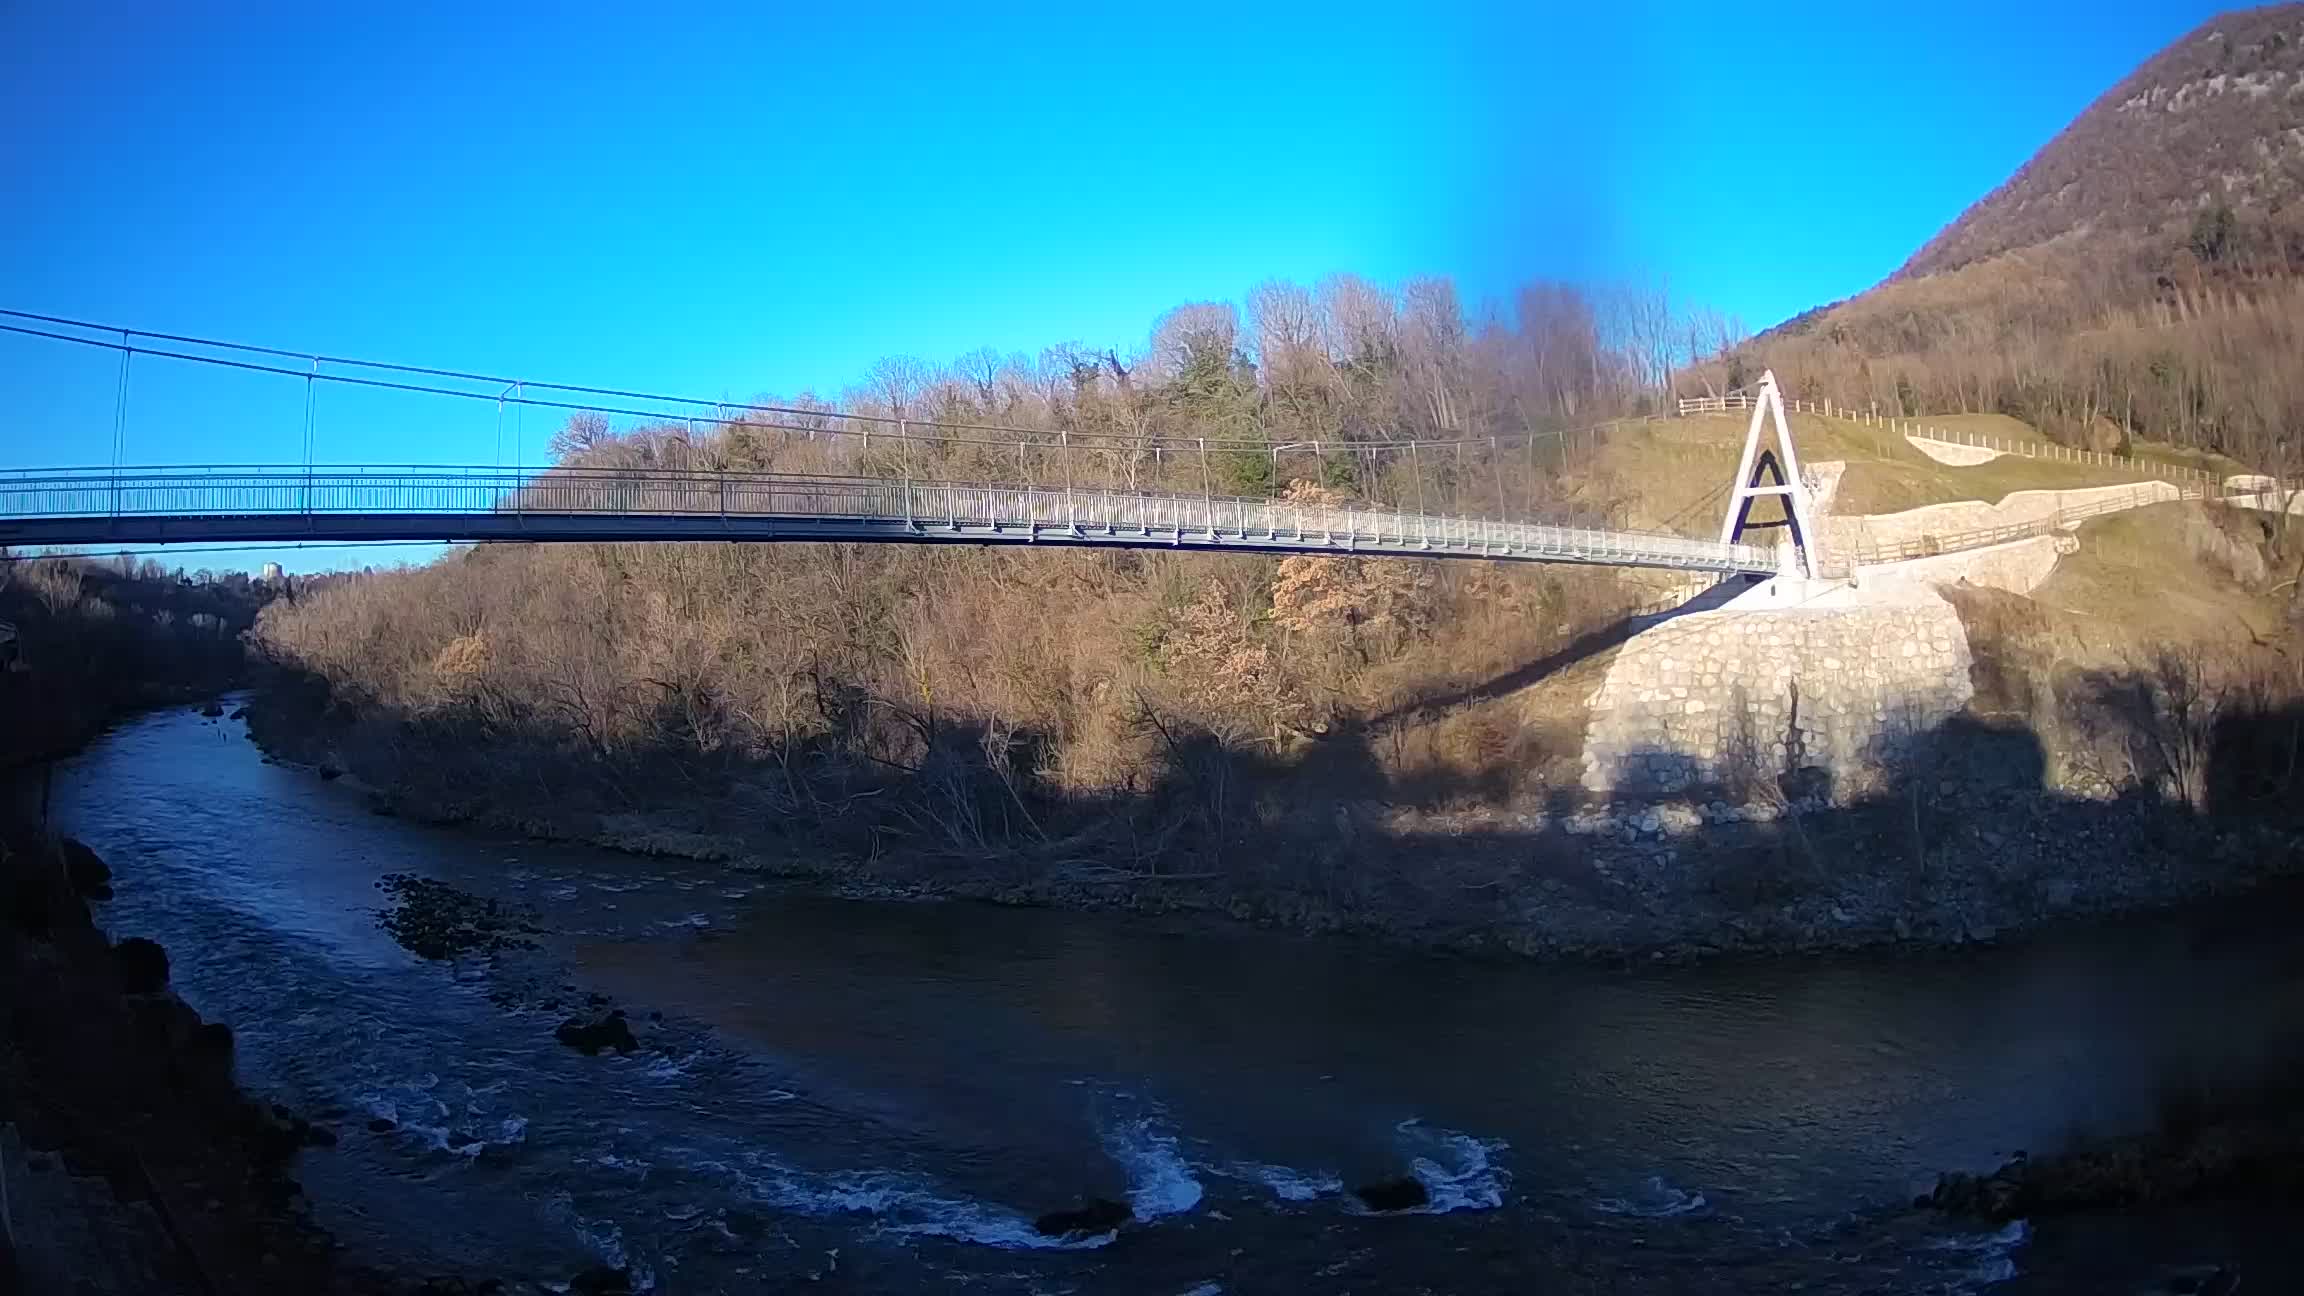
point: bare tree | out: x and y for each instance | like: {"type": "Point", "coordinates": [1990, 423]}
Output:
{"type": "Point", "coordinates": [585, 431]}
{"type": "Point", "coordinates": [1203, 335]}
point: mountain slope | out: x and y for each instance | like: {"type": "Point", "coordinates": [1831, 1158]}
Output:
{"type": "Point", "coordinates": [2141, 278]}
{"type": "Point", "coordinates": [2216, 119]}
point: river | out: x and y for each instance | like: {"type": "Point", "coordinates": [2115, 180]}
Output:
{"type": "Point", "coordinates": [881, 1096]}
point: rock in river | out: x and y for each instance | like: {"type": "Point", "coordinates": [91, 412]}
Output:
{"type": "Point", "coordinates": [1393, 1194]}
{"type": "Point", "coordinates": [1097, 1215]}
{"type": "Point", "coordinates": [600, 1280]}
{"type": "Point", "coordinates": [436, 921]}
{"type": "Point", "coordinates": [610, 1031]}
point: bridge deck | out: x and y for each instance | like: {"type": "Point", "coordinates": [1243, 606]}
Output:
{"type": "Point", "coordinates": [161, 505]}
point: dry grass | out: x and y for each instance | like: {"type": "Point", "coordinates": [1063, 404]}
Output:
{"type": "Point", "coordinates": [2124, 659]}
{"type": "Point", "coordinates": [2182, 457]}
{"type": "Point", "coordinates": [1674, 476]}
{"type": "Point", "coordinates": [2163, 574]}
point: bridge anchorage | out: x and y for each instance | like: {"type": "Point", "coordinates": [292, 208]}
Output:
{"type": "Point", "coordinates": [1079, 488]}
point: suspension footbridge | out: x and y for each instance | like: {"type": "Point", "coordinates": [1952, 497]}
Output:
{"type": "Point", "coordinates": [906, 499]}
{"type": "Point", "coordinates": [362, 503]}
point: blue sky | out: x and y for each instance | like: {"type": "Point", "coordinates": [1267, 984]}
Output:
{"type": "Point", "coordinates": [735, 198]}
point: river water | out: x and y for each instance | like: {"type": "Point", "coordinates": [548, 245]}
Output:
{"type": "Point", "coordinates": [880, 1096]}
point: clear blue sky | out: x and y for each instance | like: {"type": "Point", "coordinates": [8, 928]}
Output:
{"type": "Point", "coordinates": [740, 198]}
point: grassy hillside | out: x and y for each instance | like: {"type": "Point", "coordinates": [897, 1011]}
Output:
{"type": "Point", "coordinates": [1674, 475]}
{"type": "Point", "coordinates": [2168, 573]}
{"type": "Point", "coordinates": [2158, 655]}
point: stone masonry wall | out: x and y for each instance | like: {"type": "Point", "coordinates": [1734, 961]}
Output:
{"type": "Point", "coordinates": [2019, 567]}
{"type": "Point", "coordinates": [1716, 698]}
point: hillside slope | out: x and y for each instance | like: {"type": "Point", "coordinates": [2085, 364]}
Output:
{"type": "Point", "coordinates": [2215, 119]}
{"type": "Point", "coordinates": [1674, 475]}
{"type": "Point", "coordinates": [2141, 278]}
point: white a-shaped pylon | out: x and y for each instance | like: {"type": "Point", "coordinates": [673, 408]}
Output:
{"type": "Point", "coordinates": [1765, 472]}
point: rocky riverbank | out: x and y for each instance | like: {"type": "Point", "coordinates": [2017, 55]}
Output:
{"type": "Point", "coordinates": [1967, 847]}
{"type": "Point", "coordinates": [2224, 1166]}
{"type": "Point", "coordinates": [119, 1090]}
{"type": "Point", "coordinates": [136, 1164]}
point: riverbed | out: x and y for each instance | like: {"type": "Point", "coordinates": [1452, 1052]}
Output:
{"type": "Point", "coordinates": [881, 1096]}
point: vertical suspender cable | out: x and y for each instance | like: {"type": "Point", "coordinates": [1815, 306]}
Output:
{"type": "Point", "coordinates": [309, 396]}
{"type": "Point", "coordinates": [120, 419]}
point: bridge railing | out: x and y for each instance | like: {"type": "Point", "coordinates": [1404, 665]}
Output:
{"type": "Point", "coordinates": [1840, 560]}
{"type": "Point", "coordinates": [954, 507]}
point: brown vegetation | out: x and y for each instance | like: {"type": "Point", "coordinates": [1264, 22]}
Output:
{"type": "Point", "coordinates": [961, 701]}
{"type": "Point", "coordinates": [2089, 353]}
{"type": "Point", "coordinates": [992, 688]}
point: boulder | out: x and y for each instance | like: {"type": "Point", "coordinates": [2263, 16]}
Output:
{"type": "Point", "coordinates": [1993, 1197]}
{"type": "Point", "coordinates": [163, 1022]}
{"type": "Point", "coordinates": [1096, 1215]}
{"type": "Point", "coordinates": [600, 1280]}
{"type": "Point", "coordinates": [275, 1138]}
{"type": "Point", "coordinates": [88, 873]}
{"type": "Point", "coordinates": [611, 1031]}
{"type": "Point", "coordinates": [206, 1056]}
{"type": "Point", "coordinates": [1404, 1193]}
{"type": "Point", "coordinates": [330, 772]}
{"type": "Point", "coordinates": [143, 966]}
{"type": "Point", "coordinates": [212, 710]}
